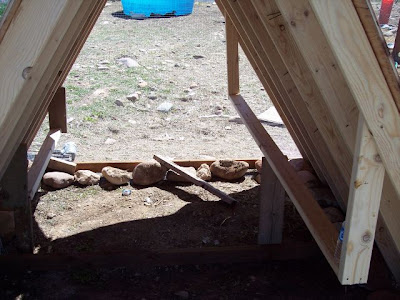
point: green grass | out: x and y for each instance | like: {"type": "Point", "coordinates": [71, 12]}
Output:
{"type": "Point", "coordinates": [3, 7]}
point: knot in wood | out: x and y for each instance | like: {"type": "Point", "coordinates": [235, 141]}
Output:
{"type": "Point", "coordinates": [282, 27]}
{"type": "Point", "coordinates": [293, 23]}
{"type": "Point", "coordinates": [378, 158]}
{"type": "Point", "coordinates": [306, 12]}
{"type": "Point", "coordinates": [26, 73]}
{"type": "Point", "coordinates": [366, 238]}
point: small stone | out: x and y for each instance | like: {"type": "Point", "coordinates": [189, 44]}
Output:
{"type": "Point", "coordinates": [110, 141]}
{"type": "Point", "coordinates": [182, 294]}
{"type": "Point", "coordinates": [309, 179]}
{"type": "Point", "coordinates": [334, 214]}
{"type": "Point", "coordinates": [113, 129]}
{"type": "Point", "coordinates": [87, 177]}
{"type": "Point", "coordinates": [104, 62]}
{"type": "Point", "coordinates": [126, 192]}
{"type": "Point", "coordinates": [165, 107]}
{"type": "Point", "coordinates": [148, 173]}
{"type": "Point", "coordinates": [175, 177]}
{"type": "Point", "coordinates": [193, 86]}
{"type": "Point", "coordinates": [133, 97]}
{"type": "Point", "coordinates": [142, 84]}
{"type": "Point", "coordinates": [50, 216]}
{"type": "Point", "coordinates": [58, 180]}
{"type": "Point", "coordinates": [152, 96]}
{"type": "Point", "coordinates": [258, 165]}
{"type": "Point", "coordinates": [229, 169]}
{"type": "Point", "coordinates": [147, 201]}
{"type": "Point", "coordinates": [198, 56]}
{"type": "Point", "coordinates": [116, 176]}
{"type": "Point", "coordinates": [128, 62]}
{"type": "Point", "coordinates": [204, 172]}
{"type": "Point", "coordinates": [102, 68]}
{"type": "Point", "coordinates": [119, 103]}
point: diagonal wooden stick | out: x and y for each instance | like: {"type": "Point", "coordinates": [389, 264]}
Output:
{"type": "Point", "coordinates": [197, 181]}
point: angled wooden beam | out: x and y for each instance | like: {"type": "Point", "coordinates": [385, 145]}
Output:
{"type": "Point", "coordinates": [272, 201]}
{"type": "Point", "coordinates": [306, 31]}
{"type": "Point", "coordinates": [194, 179]}
{"type": "Point", "coordinates": [340, 22]}
{"type": "Point", "coordinates": [253, 33]}
{"type": "Point", "coordinates": [58, 111]}
{"type": "Point", "coordinates": [41, 161]}
{"type": "Point", "coordinates": [232, 55]}
{"type": "Point", "coordinates": [314, 217]}
{"type": "Point", "coordinates": [362, 209]}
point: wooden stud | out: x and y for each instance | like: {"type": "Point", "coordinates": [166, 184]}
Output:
{"type": "Point", "coordinates": [232, 55]}
{"type": "Point", "coordinates": [197, 181]}
{"type": "Point", "coordinates": [41, 161]}
{"type": "Point", "coordinates": [320, 227]}
{"type": "Point", "coordinates": [15, 197]}
{"type": "Point", "coordinates": [58, 111]}
{"type": "Point", "coordinates": [272, 201]}
{"type": "Point", "coordinates": [362, 209]}
{"type": "Point", "coordinates": [57, 164]}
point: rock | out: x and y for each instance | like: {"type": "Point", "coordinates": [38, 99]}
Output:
{"type": "Point", "coordinates": [257, 178]}
{"type": "Point", "coordinates": [133, 97]}
{"type": "Point", "coordinates": [58, 180]}
{"type": "Point", "coordinates": [271, 117]}
{"type": "Point", "coordinates": [110, 141]}
{"type": "Point", "coordinates": [51, 216]}
{"type": "Point", "coordinates": [258, 165]}
{"type": "Point", "coordinates": [165, 107]}
{"type": "Point", "coordinates": [119, 103]}
{"type": "Point", "coordinates": [300, 164]}
{"type": "Point", "coordinates": [128, 62]}
{"type": "Point", "coordinates": [193, 85]}
{"type": "Point", "coordinates": [309, 179]}
{"type": "Point", "coordinates": [198, 56]}
{"type": "Point", "coordinates": [102, 68]}
{"type": "Point", "coordinates": [173, 176]}
{"type": "Point", "coordinates": [152, 96]}
{"type": "Point", "coordinates": [86, 177]}
{"type": "Point", "coordinates": [204, 172]}
{"type": "Point", "coordinates": [116, 176]}
{"type": "Point", "coordinates": [334, 214]}
{"type": "Point", "coordinates": [142, 84]}
{"type": "Point", "coordinates": [182, 294]}
{"type": "Point", "coordinates": [229, 169]}
{"type": "Point", "coordinates": [113, 129]}
{"type": "Point", "coordinates": [148, 173]}
{"type": "Point", "coordinates": [126, 192]}
{"type": "Point", "coordinates": [324, 197]}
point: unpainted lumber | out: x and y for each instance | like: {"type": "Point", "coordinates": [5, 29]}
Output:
{"type": "Point", "coordinates": [57, 164]}
{"type": "Point", "coordinates": [314, 217]}
{"type": "Point", "coordinates": [194, 179]}
{"type": "Point", "coordinates": [272, 201]}
{"type": "Point", "coordinates": [232, 55]}
{"type": "Point", "coordinates": [362, 209]}
{"type": "Point", "coordinates": [58, 111]}
{"type": "Point", "coordinates": [41, 161]}
{"type": "Point", "coordinates": [8, 16]}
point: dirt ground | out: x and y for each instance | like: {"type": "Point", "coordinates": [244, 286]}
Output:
{"type": "Point", "coordinates": [183, 61]}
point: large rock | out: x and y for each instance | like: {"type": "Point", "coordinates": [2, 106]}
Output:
{"type": "Point", "coordinates": [204, 172]}
{"type": "Point", "coordinates": [116, 176]}
{"type": "Point", "coordinates": [58, 180]}
{"type": "Point", "coordinates": [258, 165]}
{"type": "Point", "coordinates": [86, 177]}
{"type": "Point", "coordinates": [173, 176]}
{"type": "Point", "coordinates": [148, 173]}
{"type": "Point", "coordinates": [229, 169]}
{"type": "Point", "coordinates": [309, 179]}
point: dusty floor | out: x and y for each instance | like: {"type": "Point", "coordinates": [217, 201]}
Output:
{"type": "Point", "coordinates": [79, 220]}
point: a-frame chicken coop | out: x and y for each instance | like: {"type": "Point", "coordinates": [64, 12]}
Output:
{"type": "Point", "coordinates": [323, 63]}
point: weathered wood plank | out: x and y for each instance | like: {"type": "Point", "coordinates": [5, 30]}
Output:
{"type": "Point", "coordinates": [232, 56]}
{"type": "Point", "coordinates": [272, 201]}
{"type": "Point", "coordinates": [61, 165]}
{"type": "Point", "coordinates": [320, 227]}
{"type": "Point", "coordinates": [362, 209]}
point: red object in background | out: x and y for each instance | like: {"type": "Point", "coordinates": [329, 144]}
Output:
{"type": "Point", "coordinates": [384, 13]}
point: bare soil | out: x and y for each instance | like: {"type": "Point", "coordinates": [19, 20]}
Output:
{"type": "Point", "coordinates": [166, 215]}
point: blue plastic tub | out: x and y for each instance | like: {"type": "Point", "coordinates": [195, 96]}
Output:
{"type": "Point", "coordinates": [148, 8]}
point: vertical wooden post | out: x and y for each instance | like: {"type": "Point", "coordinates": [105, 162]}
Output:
{"type": "Point", "coordinates": [58, 111]}
{"type": "Point", "coordinates": [272, 200]}
{"type": "Point", "coordinates": [232, 53]}
{"type": "Point", "coordinates": [362, 208]}
{"type": "Point", "coordinates": [396, 49]}
{"type": "Point", "coordinates": [384, 13]}
{"type": "Point", "coordinates": [15, 197]}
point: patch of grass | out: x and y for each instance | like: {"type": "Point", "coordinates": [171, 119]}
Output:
{"type": "Point", "coordinates": [3, 7]}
